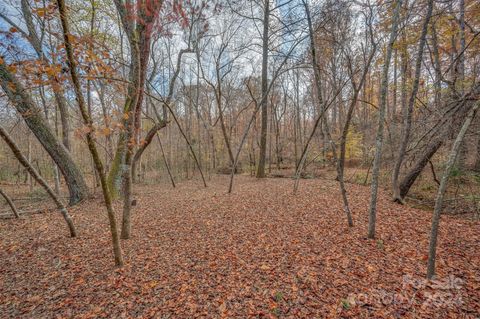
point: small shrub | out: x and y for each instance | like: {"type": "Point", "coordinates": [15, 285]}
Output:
{"type": "Point", "coordinates": [345, 304]}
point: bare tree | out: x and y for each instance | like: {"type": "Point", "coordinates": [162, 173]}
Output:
{"type": "Point", "coordinates": [263, 103]}
{"type": "Point", "coordinates": [407, 127]}
{"type": "Point", "coordinates": [381, 118]}
{"type": "Point", "coordinates": [437, 211]}
{"type": "Point", "coordinates": [87, 120]}
{"type": "Point", "coordinates": [348, 118]}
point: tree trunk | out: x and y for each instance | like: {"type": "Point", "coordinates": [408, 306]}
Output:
{"type": "Point", "coordinates": [57, 90]}
{"type": "Point", "coordinates": [322, 111]}
{"type": "Point", "coordinates": [166, 162]}
{"type": "Point", "coordinates": [343, 138]}
{"type": "Point", "coordinates": [218, 96]}
{"type": "Point", "coordinates": [127, 194]}
{"type": "Point", "coordinates": [437, 211]}
{"type": "Point", "coordinates": [148, 139]}
{"type": "Point", "coordinates": [417, 168]}
{"type": "Point", "coordinates": [22, 159]}
{"type": "Point", "coordinates": [10, 203]}
{"type": "Point", "coordinates": [263, 105]}
{"type": "Point", "coordinates": [477, 159]}
{"type": "Point", "coordinates": [381, 117]}
{"type": "Point", "coordinates": [411, 102]}
{"type": "Point", "coordinates": [32, 115]}
{"type": "Point", "coordinates": [462, 156]}
{"type": "Point", "coordinates": [29, 159]}
{"type": "Point", "coordinates": [117, 250]}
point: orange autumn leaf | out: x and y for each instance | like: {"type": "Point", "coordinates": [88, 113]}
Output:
{"type": "Point", "coordinates": [40, 12]}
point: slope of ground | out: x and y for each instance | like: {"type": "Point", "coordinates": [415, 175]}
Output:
{"type": "Point", "coordinates": [260, 252]}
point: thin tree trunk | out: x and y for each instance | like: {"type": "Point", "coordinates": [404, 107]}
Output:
{"type": "Point", "coordinates": [462, 157]}
{"type": "Point", "coordinates": [381, 117]}
{"type": "Point", "coordinates": [127, 194]}
{"type": "Point", "coordinates": [148, 139]}
{"type": "Point", "coordinates": [343, 138]}
{"type": "Point", "coordinates": [134, 92]}
{"type": "Point", "coordinates": [29, 159]}
{"type": "Point", "coordinates": [165, 161]}
{"type": "Point", "coordinates": [57, 179]}
{"type": "Point", "coordinates": [437, 211]}
{"type": "Point", "coordinates": [263, 103]}
{"type": "Point", "coordinates": [409, 111]}
{"type": "Point", "coordinates": [438, 70]}
{"type": "Point", "coordinates": [90, 137]}
{"type": "Point", "coordinates": [222, 125]}
{"type": "Point", "coordinates": [10, 203]}
{"type": "Point", "coordinates": [31, 170]}
{"type": "Point", "coordinates": [192, 151]}
{"type": "Point", "coordinates": [323, 109]}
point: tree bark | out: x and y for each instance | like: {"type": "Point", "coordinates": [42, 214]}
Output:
{"type": "Point", "coordinates": [381, 117]}
{"type": "Point", "coordinates": [263, 103]}
{"type": "Point", "coordinates": [57, 90]}
{"type": "Point", "coordinates": [437, 211]}
{"type": "Point", "coordinates": [417, 168]}
{"type": "Point", "coordinates": [139, 33]}
{"type": "Point", "coordinates": [32, 115]}
{"type": "Point", "coordinates": [460, 68]}
{"type": "Point", "coordinates": [411, 102]}
{"type": "Point", "coordinates": [343, 139]}
{"type": "Point", "coordinates": [23, 160]}
{"type": "Point", "coordinates": [172, 180]}
{"type": "Point", "coordinates": [117, 250]}
{"type": "Point", "coordinates": [135, 34]}
{"type": "Point", "coordinates": [316, 69]}
{"type": "Point", "coordinates": [146, 142]}
{"type": "Point", "coordinates": [10, 203]}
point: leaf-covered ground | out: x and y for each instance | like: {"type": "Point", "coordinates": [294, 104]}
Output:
{"type": "Point", "coordinates": [260, 252]}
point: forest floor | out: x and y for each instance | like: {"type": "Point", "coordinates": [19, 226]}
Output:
{"type": "Point", "coordinates": [259, 252]}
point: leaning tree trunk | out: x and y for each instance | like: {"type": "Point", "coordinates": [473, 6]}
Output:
{"type": "Point", "coordinates": [343, 140]}
{"type": "Point", "coordinates": [381, 117]}
{"type": "Point", "coordinates": [87, 120]}
{"type": "Point", "coordinates": [172, 180]}
{"type": "Point", "coordinates": [417, 168]}
{"type": "Point", "coordinates": [10, 203]}
{"type": "Point", "coordinates": [147, 140]}
{"type": "Point", "coordinates": [411, 102]}
{"type": "Point", "coordinates": [23, 160]}
{"type": "Point", "coordinates": [218, 97]}
{"type": "Point", "coordinates": [161, 122]}
{"type": "Point", "coordinates": [437, 211]}
{"type": "Point", "coordinates": [453, 115]}
{"type": "Point", "coordinates": [32, 115]}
